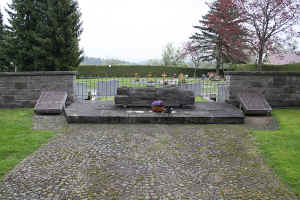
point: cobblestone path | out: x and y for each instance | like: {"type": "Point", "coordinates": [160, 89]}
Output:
{"type": "Point", "coordinates": [144, 162]}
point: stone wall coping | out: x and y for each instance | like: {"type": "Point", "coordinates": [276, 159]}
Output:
{"type": "Point", "coordinates": [263, 73]}
{"type": "Point", "coordinates": [40, 73]}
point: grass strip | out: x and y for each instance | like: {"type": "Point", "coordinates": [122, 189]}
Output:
{"type": "Point", "coordinates": [17, 137]}
{"type": "Point", "coordinates": [282, 147]}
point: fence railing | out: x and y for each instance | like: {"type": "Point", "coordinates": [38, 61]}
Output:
{"type": "Point", "coordinates": [106, 88]}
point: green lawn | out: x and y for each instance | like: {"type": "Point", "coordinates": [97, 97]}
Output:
{"type": "Point", "coordinates": [17, 139]}
{"type": "Point", "coordinates": [282, 147]}
{"type": "Point", "coordinates": [200, 99]}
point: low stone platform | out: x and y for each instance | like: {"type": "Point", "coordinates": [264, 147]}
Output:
{"type": "Point", "coordinates": [108, 113]}
{"type": "Point", "coordinates": [144, 96]}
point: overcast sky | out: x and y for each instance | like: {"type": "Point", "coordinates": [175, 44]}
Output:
{"type": "Point", "coordinates": [135, 30]}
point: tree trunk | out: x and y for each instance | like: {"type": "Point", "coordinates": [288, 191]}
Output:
{"type": "Point", "coordinates": [260, 57]}
{"type": "Point", "coordinates": [218, 65]}
{"type": "Point", "coordinates": [219, 57]}
{"type": "Point", "coordinates": [196, 66]}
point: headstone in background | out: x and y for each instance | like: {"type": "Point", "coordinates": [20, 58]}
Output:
{"type": "Point", "coordinates": [81, 91]}
{"type": "Point", "coordinates": [107, 88]}
{"type": "Point", "coordinates": [223, 93]}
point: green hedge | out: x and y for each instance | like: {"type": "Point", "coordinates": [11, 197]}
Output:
{"type": "Point", "coordinates": [252, 67]}
{"type": "Point", "coordinates": [142, 70]}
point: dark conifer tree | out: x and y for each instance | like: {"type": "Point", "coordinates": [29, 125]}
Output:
{"type": "Point", "coordinates": [2, 67]}
{"type": "Point", "coordinates": [4, 57]}
{"type": "Point", "coordinates": [24, 21]}
{"type": "Point", "coordinates": [45, 34]}
{"type": "Point", "coordinates": [64, 32]}
{"type": "Point", "coordinates": [1, 25]}
{"type": "Point", "coordinates": [221, 36]}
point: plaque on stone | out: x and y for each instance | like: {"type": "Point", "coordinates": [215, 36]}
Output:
{"type": "Point", "coordinates": [51, 102]}
{"type": "Point", "coordinates": [254, 103]}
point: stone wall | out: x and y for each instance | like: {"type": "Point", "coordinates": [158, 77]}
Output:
{"type": "Point", "coordinates": [22, 89]}
{"type": "Point", "coordinates": [281, 89]}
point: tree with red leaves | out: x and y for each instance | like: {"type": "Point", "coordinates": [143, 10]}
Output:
{"type": "Point", "coordinates": [222, 36]}
{"type": "Point", "coordinates": [266, 21]}
{"type": "Point", "coordinates": [190, 50]}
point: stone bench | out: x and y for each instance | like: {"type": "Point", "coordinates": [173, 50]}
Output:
{"type": "Point", "coordinates": [144, 96]}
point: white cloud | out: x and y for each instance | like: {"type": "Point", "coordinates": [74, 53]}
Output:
{"type": "Point", "coordinates": [135, 29]}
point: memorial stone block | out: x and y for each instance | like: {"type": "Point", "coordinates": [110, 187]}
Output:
{"type": "Point", "coordinates": [144, 96]}
{"type": "Point", "coordinates": [51, 102]}
{"type": "Point", "coordinates": [254, 103]}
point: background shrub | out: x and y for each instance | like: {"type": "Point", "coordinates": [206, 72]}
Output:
{"type": "Point", "coordinates": [252, 67]}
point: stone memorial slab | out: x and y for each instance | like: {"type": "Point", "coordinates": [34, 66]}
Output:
{"type": "Point", "coordinates": [81, 91]}
{"type": "Point", "coordinates": [51, 102]}
{"type": "Point", "coordinates": [107, 113]}
{"type": "Point", "coordinates": [254, 103]}
{"type": "Point", "coordinates": [144, 96]}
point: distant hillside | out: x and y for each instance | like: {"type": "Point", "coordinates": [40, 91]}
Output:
{"type": "Point", "coordinates": [100, 61]}
{"type": "Point", "coordinates": [92, 61]}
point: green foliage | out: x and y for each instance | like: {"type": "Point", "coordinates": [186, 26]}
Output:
{"type": "Point", "coordinates": [171, 56]}
{"type": "Point", "coordinates": [282, 147]}
{"type": "Point", "coordinates": [1, 22]}
{"type": "Point", "coordinates": [4, 60]}
{"type": "Point", "coordinates": [220, 44]}
{"type": "Point", "coordinates": [142, 70]}
{"type": "Point", "coordinates": [253, 67]}
{"type": "Point", "coordinates": [200, 99]}
{"type": "Point", "coordinates": [64, 31]}
{"type": "Point", "coordinates": [17, 139]}
{"type": "Point", "coordinates": [45, 34]}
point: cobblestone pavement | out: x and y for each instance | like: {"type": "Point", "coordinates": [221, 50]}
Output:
{"type": "Point", "coordinates": [143, 162]}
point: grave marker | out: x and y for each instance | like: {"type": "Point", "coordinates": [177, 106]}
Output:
{"type": "Point", "coordinates": [51, 102]}
{"type": "Point", "coordinates": [254, 103]}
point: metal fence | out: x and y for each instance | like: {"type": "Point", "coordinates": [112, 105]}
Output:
{"type": "Point", "coordinates": [106, 88]}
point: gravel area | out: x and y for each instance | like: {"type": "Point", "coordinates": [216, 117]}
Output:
{"type": "Point", "coordinates": [143, 162]}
